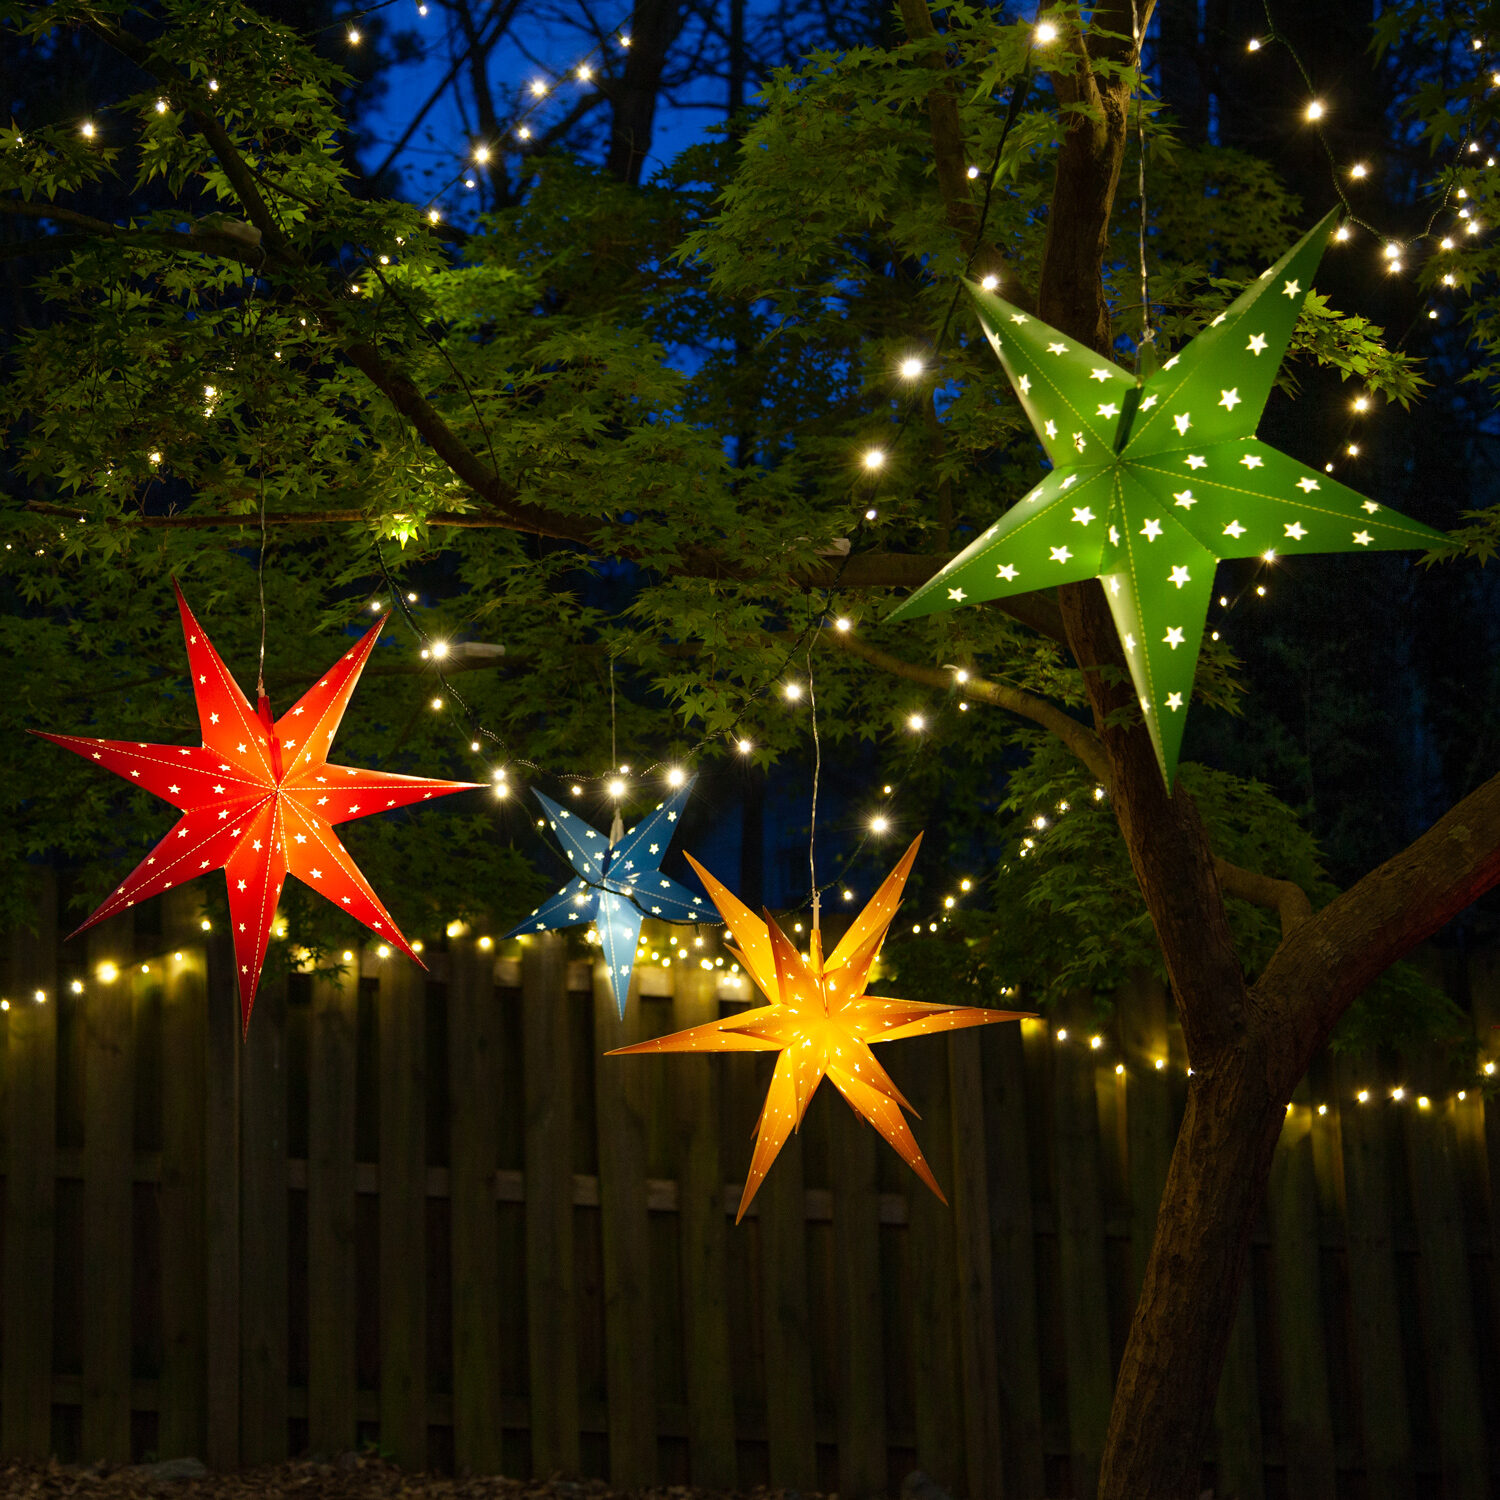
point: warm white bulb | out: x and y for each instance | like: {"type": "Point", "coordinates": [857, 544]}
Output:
{"type": "Point", "coordinates": [1315, 110]}
{"type": "Point", "coordinates": [973, 173]}
{"type": "Point", "coordinates": [1045, 32]}
{"type": "Point", "coordinates": [911, 367]}
{"type": "Point", "coordinates": [916, 722]}
{"type": "Point", "coordinates": [538, 87]}
{"type": "Point", "coordinates": [440, 649]}
{"type": "Point", "coordinates": [481, 154]}
{"type": "Point", "coordinates": [433, 216]}
{"type": "Point", "coordinates": [1361, 403]}
{"type": "Point", "coordinates": [1342, 232]}
{"type": "Point", "coordinates": [87, 129]}
{"type": "Point", "coordinates": [437, 703]}
{"type": "Point", "coordinates": [1392, 251]}
{"type": "Point", "coordinates": [585, 73]}
{"type": "Point", "coordinates": [1253, 45]}
{"type": "Point", "coordinates": [842, 624]}
{"type": "Point", "coordinates": [676, 776]}
{"type": "Point", "coordinates": [990, 282]}
{"type": "Point", "coordinates": [109, 972]}
{"type": "Point", "coordinates": [874, 458]}
{"type": "Point", "coordinates": [1359, 171]}
{"type": "Point", "coordinates": [524, 133]}
{"type": "Point", "coordinates": [793, 690]}
{"type": "Point", "coordinates": [617, 789]}
{"type": "Point", "coordinates": [744, 747]}
{"type": "Point", "coordinates": [162, 106]}
{"type": "Point", "coordinates": [354, 36]}
{"type": "Point", "coordinates": [879, 824]}
{"type": "Point", "coordinates": [382, 951]}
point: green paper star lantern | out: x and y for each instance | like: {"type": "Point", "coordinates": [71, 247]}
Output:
{"type": "Point", "coordinates": [1153, 482]}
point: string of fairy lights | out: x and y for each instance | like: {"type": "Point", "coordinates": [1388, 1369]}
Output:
{"type": "Point", "coordinates": [1441, 236]}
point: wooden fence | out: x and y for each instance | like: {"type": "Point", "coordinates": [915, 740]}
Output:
{"type": "Point", "coordinates": [424, 1211]}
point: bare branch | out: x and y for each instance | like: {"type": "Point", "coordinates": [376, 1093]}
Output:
{"type": "Point", "coordinates": [1285, 897]}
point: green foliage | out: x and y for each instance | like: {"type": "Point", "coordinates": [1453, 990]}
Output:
{"type": "Point", "coordinates": [681, 375]}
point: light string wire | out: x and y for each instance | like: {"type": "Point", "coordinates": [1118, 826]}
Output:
{"type": "Point", "coordinates": [812, 825]}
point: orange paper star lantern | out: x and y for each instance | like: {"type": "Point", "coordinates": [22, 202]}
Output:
{"type": "Point", "coordinates": [822, 1022]}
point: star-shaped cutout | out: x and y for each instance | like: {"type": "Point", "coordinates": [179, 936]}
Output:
{"type": "Point", "coordinates": [1246, 494]}
{"type": "Point", "coordinates": [244, 763]}
{"type": "Point", "coordinates": [822, 1023]}
{"type": "Point", "coordinates": [600, 895]}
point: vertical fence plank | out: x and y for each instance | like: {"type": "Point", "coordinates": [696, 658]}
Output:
{"type": "Point", "coordinates": [403, 1213]}
{"type": "Point", "coordinates": [1447, 1302]}
{"type": "Point", "coordinates": [31, 1063]}
{"type": "Point", "coordinates": [1013, 1245]}
{"type": "Point", "coordinates": [1241, 1465]}
{"type": "Point", "coordinates": [1080, 1248]}
{"type": "Point", "coordinates": [181, 1425]}
{"type": "Point", "coordinates": [551, 1307]}
{"type": "Point", "coordinates": [620, 1094]}
{"type": "Point", "coordinates": [1306, 1411]}
{"type": "Point", "coordinates": [1372, 1283]}
{"type": "Point", "coordinates": [108, 1158]}
{"type": "Point", "coordinates": [857, 1287]}
{"type": "Point", "coordinates": [331, 1357]}
{"type": "Point", "coordinates": [702, 1235]}
{"type": "Point", "coordinates": [263, 1231]}
{"type": "Point", "coordinates": [785, 1322]}
{"type": "Point", "coordinates": [976, 1297]}
{"type": "Point", "coordinates": [936, 1388]}
{"type": "Point", "coordinates": [1142, 1008]}
{"type": "Point", "coordinates": [474, 1156]}
{"type": "Point", "coordinates": [221, 1213]}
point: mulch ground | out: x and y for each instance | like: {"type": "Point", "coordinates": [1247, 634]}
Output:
{"type": "Point", "coordinates": [352, 1477]}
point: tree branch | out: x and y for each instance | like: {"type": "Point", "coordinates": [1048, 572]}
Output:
{"type": "Point", "coordinates": [1318, 972]}
{"type": "Point", "coordinates": [1078, 738]}
{"type": "Point", "coordinates": [1285, 897]}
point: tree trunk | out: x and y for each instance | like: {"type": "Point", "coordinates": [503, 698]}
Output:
{"type": "Point", "coordinates": [654, 25]}
{"type": "Point", "coordinates": [1164, 1391]}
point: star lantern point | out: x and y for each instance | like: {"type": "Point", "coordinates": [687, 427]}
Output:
{"type": "Point", "coordinates": [600, 894]}
{"type": "Point", "coordinates": [248, 805]}
{"type": "Point", "coordinates": [822, 1022]}
{"type": "Point", "coordinates": [1247, 498]}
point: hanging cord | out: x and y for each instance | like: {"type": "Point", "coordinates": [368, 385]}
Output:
{"type": "Point", "coordinates": [812, 827]}
{"type": "Point", "coordinates": [1148, 333]}
{"type": "Point", "coordinates": [260, 584]}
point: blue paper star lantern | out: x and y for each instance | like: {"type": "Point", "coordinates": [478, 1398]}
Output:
{"type": "Point", "coordinates": [617, 886]}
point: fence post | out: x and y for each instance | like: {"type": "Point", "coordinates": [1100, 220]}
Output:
{"type": "Point", "coordinates": [936, 1390]}
{"type": "Point", "coordinates": [1080, 1253]}
{"type": "Point", "coordinates": [108, 1163]}
{"type": "Point", "coordinates": [790, 1428]}
{"type": "Point", "coordinates": [263, 1230]}
{"type": "Point", "coordinates": [1013, 1243]}
{"type": "Point", "coordinates": [1447, 1302]}
{"type": "Point", "coordinates": [31, 1061]}
{"type": "Point", "coordinates": [976, 1297]}
{"type": "Point", "coordinates": [1372, 1287]}
{"type": "Point", "coordinates": [551, 1309]}
{"type": "Point", "coordinates": [857, 1289]}
{"type": "Point", "coordinates": [620, 1091]}
{"type": "Point", "coordinates": [701, 1225]}
{"type": "Point", "coordinates": [473, 1157]}
{"type": "Point", "coordinates": [181, 1423]}
{"type": "Point", "coordinates": [403, 1212]}
{"type": "Point", "coordinates": [221, 1193]}
{"type": "Point", "coordinates": [1306, 1414]}
{"type": "Point", "coordinates": [330, 1216]}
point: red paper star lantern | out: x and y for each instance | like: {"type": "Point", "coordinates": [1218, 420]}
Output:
{"type": "Point", "coordinates": [259, 799]}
